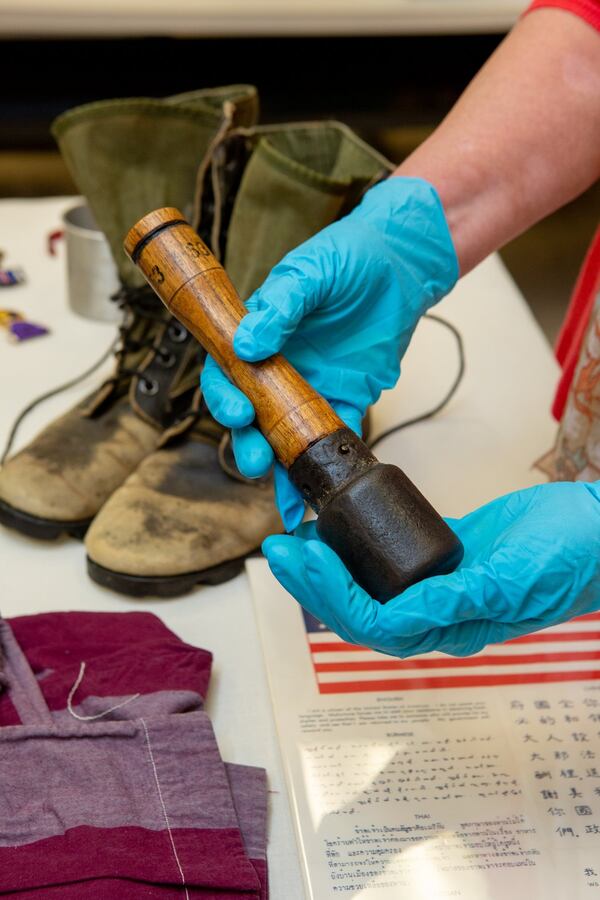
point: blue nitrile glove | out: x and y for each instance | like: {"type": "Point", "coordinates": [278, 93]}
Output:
{"type": "Point", "coordinates": [342, 308]}
{"type": "Point", "coordinates": [532, 559]}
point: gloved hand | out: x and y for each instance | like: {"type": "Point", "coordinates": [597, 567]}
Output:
{"type": "Point", "coordinates": [342, 308]}
{"type": "Point", "coordinates": [532, 559]}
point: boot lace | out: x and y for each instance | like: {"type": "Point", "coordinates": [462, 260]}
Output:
{"type": "Point", "coordinates": [140, 309]}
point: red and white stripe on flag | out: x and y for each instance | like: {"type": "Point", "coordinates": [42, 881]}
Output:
{"type": "Point", "coordinates": [567, 652]}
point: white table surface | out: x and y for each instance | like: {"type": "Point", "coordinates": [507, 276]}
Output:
{"type": "Point", "coordinates": [205, 18]}
{"type": "Point", "coordinates": [483, 444]}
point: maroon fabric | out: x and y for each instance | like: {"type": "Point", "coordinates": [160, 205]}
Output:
{"type": "Point", "coordinates": [213, 858]}
{"type": "Point", "coordinates": [121, 889]}
{"type": "Point", "coordinates": [125, 653]}
{"type": "Point", "coordinates": [8, 713]}
{"type": "Point", "coordinates": [263, 873]}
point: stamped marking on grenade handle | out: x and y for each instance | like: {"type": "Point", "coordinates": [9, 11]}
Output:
{"type": "Point", "coordinates": [157, 275]}
{"type": "Point", "coordinates": [197, 249]}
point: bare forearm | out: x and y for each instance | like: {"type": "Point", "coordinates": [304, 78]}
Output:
{"type": "Point", "coordinates": [522, 140]}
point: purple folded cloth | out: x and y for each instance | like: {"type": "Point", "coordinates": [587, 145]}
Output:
{"type": "Point", "coordinates": [108, 793]}
{"type": "Point", "coordinates": [124, 654]}
{"type": "Point", "coordinates": [23, 331]}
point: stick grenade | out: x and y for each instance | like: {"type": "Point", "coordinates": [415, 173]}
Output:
{"type": "Point", "coordinates": [382, 528]}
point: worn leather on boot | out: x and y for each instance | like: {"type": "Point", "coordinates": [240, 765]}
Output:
{"type": "Point", "coordinates": [180, 513]}
{"type": "Point", "coordinates": [187, 514]}
{"type": "Point", "coordinates": [67, 472]}
{"type": "Point", "coordinates": [127, 156]}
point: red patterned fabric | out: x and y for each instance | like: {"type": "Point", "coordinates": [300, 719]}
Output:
{"type": "Point", "coordinates": [570, 339]}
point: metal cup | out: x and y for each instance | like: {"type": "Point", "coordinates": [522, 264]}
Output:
{"type": "Point", "coordinates": [91, 271]}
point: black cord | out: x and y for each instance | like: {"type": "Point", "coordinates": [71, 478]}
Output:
{"type": "Point", "coordinates": [57, 390]}
{"type": "Point", "coordinates": [449, 395]}
{"type": "Point", "coordinates": [421, 418]}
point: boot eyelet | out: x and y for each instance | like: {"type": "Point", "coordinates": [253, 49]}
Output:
{"type": "Point", "coordinates": [165, 359]}
{"type": "Point", "coordinates": [177, 333]}
{"type": "Point", "coordinates": [148, 386]}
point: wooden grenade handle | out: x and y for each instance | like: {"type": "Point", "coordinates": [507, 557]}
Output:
{"type": "Point", "coordinates": [196, 289]}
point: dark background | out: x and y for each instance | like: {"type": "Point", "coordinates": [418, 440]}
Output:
{"type": "Point", "coordinates": [392, 90]}
{"type": "Point", "coordinates": [367, 82]}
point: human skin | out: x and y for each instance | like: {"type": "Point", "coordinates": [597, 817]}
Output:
{"type": "Point", "coordinates": [522, 140]}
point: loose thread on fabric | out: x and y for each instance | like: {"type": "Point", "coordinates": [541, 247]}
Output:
{"type": "Point", "coordinates": [73, 691]}
{"type": "Point", "coordinates": [164, 808]}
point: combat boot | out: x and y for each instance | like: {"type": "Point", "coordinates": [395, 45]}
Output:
{"type": "Point", "coordinates": [187, 515]}
{"type": "Point", "coordinates": [127, 157]}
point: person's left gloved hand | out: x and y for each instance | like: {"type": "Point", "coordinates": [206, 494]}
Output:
{"type": "Point", "coordinates": [532, 559]}
{"type": "Point", "coordinates": [342, 308]}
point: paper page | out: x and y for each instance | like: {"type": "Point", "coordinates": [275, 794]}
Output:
{"type": "Point", "coordinates": [474, 778]}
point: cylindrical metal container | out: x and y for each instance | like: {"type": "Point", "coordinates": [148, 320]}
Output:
{"type": "Point", "coordinates": [91, 271]}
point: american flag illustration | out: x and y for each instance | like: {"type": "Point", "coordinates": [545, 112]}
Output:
{"type": "Point", "coordinates": [567, 652]}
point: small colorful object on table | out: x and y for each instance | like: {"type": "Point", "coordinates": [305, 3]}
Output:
{"type": "Point", "coordinates": [10, 277]}
{"type": "Point", "coordinates": [19, 329]}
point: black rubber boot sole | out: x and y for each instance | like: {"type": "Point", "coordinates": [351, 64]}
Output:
{"type": "Point", "coordinates": [43, 529]}
{"type": "Point", "coordinates": [163, 585]}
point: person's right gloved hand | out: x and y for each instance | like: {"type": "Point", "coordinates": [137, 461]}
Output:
{"type": "Point", "coordinates": [532, 559]}
{"type": "Point", "coordinates": [342, 308]}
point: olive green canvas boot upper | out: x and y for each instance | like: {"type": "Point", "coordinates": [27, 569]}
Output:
{"type": "Point", "coordinates": [127, 157]}
{"type": "Point", "coordinates": [186, 515]}
{"type": "Point", "coordinates": [132, 155]}
{"type": "Point", "coordinates": [297, 179]}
